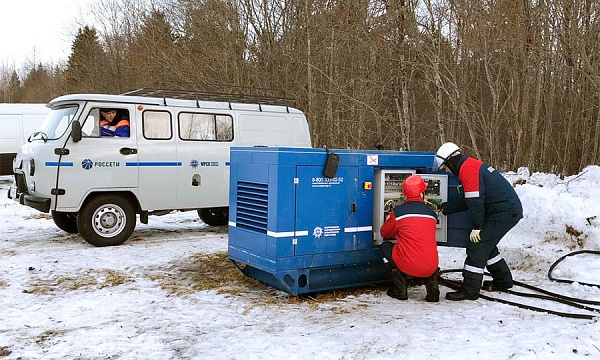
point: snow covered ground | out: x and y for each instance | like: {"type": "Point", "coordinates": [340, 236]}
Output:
{"type": "Point", "coordinates": [170, 293]}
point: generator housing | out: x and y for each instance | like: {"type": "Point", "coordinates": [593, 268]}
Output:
{"type": "Point", "coordinates": [305, 220]}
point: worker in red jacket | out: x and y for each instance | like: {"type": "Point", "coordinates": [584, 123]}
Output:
{"type": "Point", "coordinates": [494, 207]}
{"type": "Point", "coordinates": [413, 226]}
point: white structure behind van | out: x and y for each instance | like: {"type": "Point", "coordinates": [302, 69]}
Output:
{"type": "Point", "coordinates": [163, 154]}
{"type": "Point", "coordinates": [17, 123]}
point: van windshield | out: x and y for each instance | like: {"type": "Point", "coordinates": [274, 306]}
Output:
{"type": "Point", "coordinates": [56, 124]}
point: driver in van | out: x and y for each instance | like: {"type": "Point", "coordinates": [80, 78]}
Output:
{"type": "Point", "coordinates": [113, 125]}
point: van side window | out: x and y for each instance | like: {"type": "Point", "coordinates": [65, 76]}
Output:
{"type": "Point", "coordinates": [106, 122]}
{"type": "Point", "coordinates": [156, 125]}
{"type": "Point", "coordinates": [114, 122]}
{"type": "Point", "coordinates": [91, 125]}
{"type": "Point", "coordinates": [206, 127]}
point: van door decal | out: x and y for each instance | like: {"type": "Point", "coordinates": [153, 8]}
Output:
{"type": "Point", "coordinates": [154, 163]}
{"type": "Point", "coordinates": [56, 163]}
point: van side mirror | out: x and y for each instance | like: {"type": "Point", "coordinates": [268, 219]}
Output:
{"type": "Point", "coordinates": [76, 131]}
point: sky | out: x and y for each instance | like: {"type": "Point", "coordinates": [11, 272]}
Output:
{"type": "Point", "coordinates": [63, 298]}
{"type": "Point", "coordinates": [38, 30]}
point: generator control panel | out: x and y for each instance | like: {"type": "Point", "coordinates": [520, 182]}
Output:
{"type": "Point", "coordinates": [388, 186]}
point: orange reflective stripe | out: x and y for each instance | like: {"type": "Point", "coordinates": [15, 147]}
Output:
{"type": "Point", "coordinates": [122, 123]}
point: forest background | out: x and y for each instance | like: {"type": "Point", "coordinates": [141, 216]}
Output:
{"type": "Point", "coordinates": [513, 82]}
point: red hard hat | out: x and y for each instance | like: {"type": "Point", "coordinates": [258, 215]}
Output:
{"type": "Point", "coordinates": [413, 186]}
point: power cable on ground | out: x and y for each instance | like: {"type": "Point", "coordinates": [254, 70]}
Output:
{"type": "Point", "coordinates": [542, 294]}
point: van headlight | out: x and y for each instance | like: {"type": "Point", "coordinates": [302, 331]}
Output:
{"type": "Point", "coordinates": [31, 167]}
{"type": "Point", "coordinates": [32, 187]}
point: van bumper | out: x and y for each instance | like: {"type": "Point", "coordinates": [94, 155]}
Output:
{"type": "Point", "coordinates": [36, 202]}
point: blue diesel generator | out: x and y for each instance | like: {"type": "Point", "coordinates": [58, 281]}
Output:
{"type": "Point", "coordinates": [305, 220]}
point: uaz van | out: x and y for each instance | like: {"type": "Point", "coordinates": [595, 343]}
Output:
{"type": "Point", "coordinates": [173, 156]}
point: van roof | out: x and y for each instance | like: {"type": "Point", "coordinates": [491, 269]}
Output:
{"type": "Point", "coordinates": [200, 101]}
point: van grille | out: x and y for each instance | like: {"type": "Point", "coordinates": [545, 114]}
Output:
{"type": "Point", "coordinates": [252, 206]}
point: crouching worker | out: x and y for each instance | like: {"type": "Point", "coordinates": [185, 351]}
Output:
{"type": "Point", "coordinates": [413, 225]}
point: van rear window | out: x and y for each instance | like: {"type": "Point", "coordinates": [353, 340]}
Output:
{"type": "Point", "coordinates": [205, 127]}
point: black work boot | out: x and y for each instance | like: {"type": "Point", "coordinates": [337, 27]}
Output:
{"type": "Point", "coordinates": [493, 285]}
{"type": "Point", "coordinates": [398, 291]}
{"type": "Point", "coordinates": [432, 287]}
{"type": "Point", "coordinates": [469, 290]}
{"type": "Point", "coordinates": [501, 275]}
{"type": "Point", "coordinates": [460, 295]}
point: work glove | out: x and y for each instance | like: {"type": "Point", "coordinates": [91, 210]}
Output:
{"type": "Point", "coordinates": [434, 204]}
{"type": "Point", "coordinates": [474, 237]}
{"type": "Point", "coordinates": [389, 205]}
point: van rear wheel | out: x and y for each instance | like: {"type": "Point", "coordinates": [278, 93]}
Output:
{"type": "Point", "coordinates": [66, 221]}
{"type": "Point", "coordinates": [106, 220]}
{"type": "Point", "coordinates": [214, 216]}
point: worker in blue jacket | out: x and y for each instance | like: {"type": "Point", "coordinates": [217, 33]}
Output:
{"type": "Point", "coordinates": [113, 124]}
{"type": "Point", "coordinates": [494, 207]}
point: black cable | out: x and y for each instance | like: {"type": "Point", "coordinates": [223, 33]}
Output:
{"type": "Point", "coordinates": [582, 301]}
{"type": "Point", "coordinates": [564, 257]}
{"type": "Point", "coordinates": [548, 296]}
{"type": "Point", "coordinates": [456, 285]}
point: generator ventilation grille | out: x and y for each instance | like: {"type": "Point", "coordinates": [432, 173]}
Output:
{"type": "Point", "coordinates": [252, 206]}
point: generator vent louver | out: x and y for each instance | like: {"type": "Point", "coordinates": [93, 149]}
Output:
{"type": "Point", "coordinates": [252, 206]}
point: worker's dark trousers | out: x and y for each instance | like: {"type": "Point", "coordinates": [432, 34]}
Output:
{"type": "Point", "coordinates": [386, 248]}
{"type": "Point", "coordinates": [485, 253]}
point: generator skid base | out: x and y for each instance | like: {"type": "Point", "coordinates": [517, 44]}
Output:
{"type": "Point", "coordinates": [306, 220]}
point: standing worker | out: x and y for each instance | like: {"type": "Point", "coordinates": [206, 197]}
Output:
{"type": "Point", "coordinates": [494, 207]}
{"type": "Point", "coordinates": [413, 225]}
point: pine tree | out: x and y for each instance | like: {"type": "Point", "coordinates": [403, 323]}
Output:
{"type": "Point", "coordinates": [85, 66]}
{"type": "Point", "coordinates": [36, 85]}
{"type": "Point", "coordinates": [14, 90]}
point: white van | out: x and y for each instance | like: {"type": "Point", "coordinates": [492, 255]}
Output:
{"type": "Point", "coordinates": [18, 122]}
{"type": "Point", "coordinates": [175, 156]}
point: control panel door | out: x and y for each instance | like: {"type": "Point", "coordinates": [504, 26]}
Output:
{"type": "Point", "coordinates": [437, 192]}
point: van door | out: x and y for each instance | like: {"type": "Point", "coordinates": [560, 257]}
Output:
{"type": "Point", "coordinates": [203, 150]}
{"type": "Point", "coordinates": [157, 159]}
{"type": "Point", "coordinates": [96, 163]}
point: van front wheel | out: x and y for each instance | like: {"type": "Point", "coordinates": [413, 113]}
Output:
{"type": "Point", "coordinates": [66, 221]}
{"type": "Point", "coordinates": [214, 216]}
{"type": "Point", "coordinates": [106, 220]}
